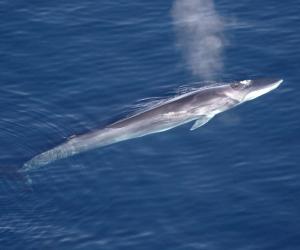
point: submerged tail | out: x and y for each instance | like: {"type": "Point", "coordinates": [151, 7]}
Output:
{"type": "Point", "coordinates": [59, 152]}
{"type": "Point", "coordinates": [75, 145]}
{"type": "Point", "coordinates": [14, 173]}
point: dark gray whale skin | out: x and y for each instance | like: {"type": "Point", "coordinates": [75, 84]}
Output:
{"type": "Point", "coordinates": [199, 105]}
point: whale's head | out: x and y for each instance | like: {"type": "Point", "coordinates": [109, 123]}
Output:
{"type": "Point", "coordinates": [247, 90]}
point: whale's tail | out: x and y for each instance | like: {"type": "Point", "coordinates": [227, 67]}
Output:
{"type": "Point", "coordinates": [15, 174]}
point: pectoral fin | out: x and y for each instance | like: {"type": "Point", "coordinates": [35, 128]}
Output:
{"type": "Point", "coordinates": [201, 121]}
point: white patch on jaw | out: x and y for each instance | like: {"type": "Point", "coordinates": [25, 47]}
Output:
{"type": "Point", "coordinates": [254, 94]}
{"type": "Point", "coordinates": [246, 82]}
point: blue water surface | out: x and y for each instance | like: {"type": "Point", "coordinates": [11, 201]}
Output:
{"type": "Point", "coordinates": [69, 67]}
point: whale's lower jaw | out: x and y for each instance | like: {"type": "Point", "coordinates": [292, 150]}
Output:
{"type": "Point", "coordinates": [254, 94]}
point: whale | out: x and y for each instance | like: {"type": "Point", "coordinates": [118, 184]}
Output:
{"type": "Point", "coordinates": [198, 106]}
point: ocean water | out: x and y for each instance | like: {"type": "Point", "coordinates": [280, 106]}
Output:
{"type": "Point", "coordinates": [69, 67]}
